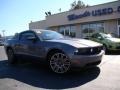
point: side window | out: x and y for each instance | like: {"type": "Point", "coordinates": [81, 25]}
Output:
{"type": "Point", "coordinates": [16, 36]}
{"type": "Point", "coordinates": [25, 35]}
{"type": "Point", "coordinates": [99, 36]}
{"type": "Point", "coordinates": [94, 36]}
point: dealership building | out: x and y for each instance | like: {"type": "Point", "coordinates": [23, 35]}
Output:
{"type": "Point", "coordinates": [84, 22]}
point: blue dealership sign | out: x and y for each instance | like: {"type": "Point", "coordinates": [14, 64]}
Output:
{"type": "Point", "coordinates": [118, 9]}
{"type": "Point", "coordinates": [73, 16]}
{"type": "Point", "coordinates": [98, 12]}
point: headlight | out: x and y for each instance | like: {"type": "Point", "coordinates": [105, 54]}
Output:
{"type": "Point", "coordinates": [81, 51]}
{"type": "Point", "coordinates": [76, 52]}
{"type": "Point", "coordinates": [88, 50]}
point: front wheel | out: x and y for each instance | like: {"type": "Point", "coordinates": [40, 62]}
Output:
{"type": "Point", "coordinates": [11, 56]}
{"type": "Point", "coordinates": [59, 63]}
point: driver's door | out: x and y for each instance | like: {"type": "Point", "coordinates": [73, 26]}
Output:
{"type": "Point", "coordinates": [29, 47]}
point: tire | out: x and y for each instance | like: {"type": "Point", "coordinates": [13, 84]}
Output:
{"type": "Point", "coordinates": [59, 63]}
{"type": "Point", "coordinates": [11, 57]}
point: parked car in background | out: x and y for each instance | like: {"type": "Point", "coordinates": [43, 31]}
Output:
{"type": "Point", "coordinates": [1, 42]}
{"type": "Point", "coordinates": [60, 53]}
{"type": "Point", "coordinates": [8, 37]}
{"type": "Point", "coordinates": [109, 42]}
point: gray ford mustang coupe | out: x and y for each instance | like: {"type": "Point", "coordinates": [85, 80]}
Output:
{"type": "Point", "coordinates": [59, 52]}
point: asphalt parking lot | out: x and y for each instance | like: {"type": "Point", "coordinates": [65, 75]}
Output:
{"type": "Point", "coordinates": [31, 76]}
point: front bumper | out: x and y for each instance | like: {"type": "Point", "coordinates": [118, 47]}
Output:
{"type": "Point", "coordinates": [84, 60]}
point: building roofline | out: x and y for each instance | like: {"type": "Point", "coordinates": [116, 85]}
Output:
{"type": "Point", "coordinates": [85, 7]}
{"type": "Point", "coordinates": [37, 21]}
{"type": "Point", "coordinates": [75, 10]}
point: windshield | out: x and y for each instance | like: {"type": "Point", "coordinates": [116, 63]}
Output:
{"type": "Point", "coordinates": [107, 35]}
{"type": "Point", "coordinates": [49, 35]}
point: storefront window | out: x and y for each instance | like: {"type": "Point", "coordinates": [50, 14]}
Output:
{"type": "Point", "coordinates": [90, 28]}
{"type": "Point", "coordinates": [100, 27]}
{"type": "Point", "coordinates": [67, 31]}
{"type": "Point", "coordinates": [85, 29]}
{"type": "Point", "coordinates": [61, 30]}
{"type": "Point", "coordinates": [72, 31]}
{"type": "Point", "coordinates": [119, 22]}
{"type": "Point", "coordinates": [118, 27]}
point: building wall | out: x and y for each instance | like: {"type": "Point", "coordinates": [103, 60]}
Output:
{"type": "Point", "coordinates": [78, 31]}
{"type": "Point", "coordinates": [38, 25]}
{"type": "Point", "coordinates": [55, 28]}
{"type": "Point", "coordinates": [110, 26]}
{"type": "Point", "coordinates": [56, 21]}
{"type": "Point", "coordinates": [61, 18]}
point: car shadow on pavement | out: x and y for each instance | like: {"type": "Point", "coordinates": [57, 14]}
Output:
{"type": "Point", "coordinates": [38, 75]}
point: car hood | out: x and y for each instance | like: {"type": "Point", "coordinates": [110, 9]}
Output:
{"type": "Point", "coordinates": [77, 42]}
{"type": "Point", "coordinates": [116, 40]}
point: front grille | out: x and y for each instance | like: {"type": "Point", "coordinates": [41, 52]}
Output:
{"type": "Point", "coordinates": [90, 51]}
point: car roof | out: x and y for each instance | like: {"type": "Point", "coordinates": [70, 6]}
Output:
{"type": "Point", "coordinates": [36, 31]}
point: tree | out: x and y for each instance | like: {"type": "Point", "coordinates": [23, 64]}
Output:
{"type": "Point", "coordinates": [78, 5]}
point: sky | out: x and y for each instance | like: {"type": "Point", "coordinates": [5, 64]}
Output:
{"type": "Point", "coordinates": [15, 15]}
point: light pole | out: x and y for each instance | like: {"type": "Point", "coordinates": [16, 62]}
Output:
{"type": "Point", "coordinates": [3, 34]}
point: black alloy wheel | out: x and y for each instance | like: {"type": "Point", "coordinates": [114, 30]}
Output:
{"type": "Point", "coordinates": [59, 63]}
{"type": "Point", "coordinates": [11, 56]}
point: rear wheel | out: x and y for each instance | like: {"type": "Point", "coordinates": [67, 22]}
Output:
{"type": "Point", "coordinates": [11, 56]}
{"type": "Point", "coordinates": [59, 63]}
